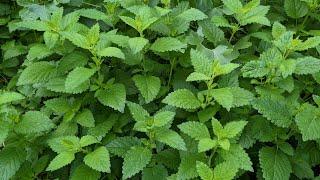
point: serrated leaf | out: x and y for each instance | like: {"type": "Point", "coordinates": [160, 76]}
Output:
{"type": "Point", "coordinates": [163, 118]}
{"type": "Point", "coordinates": [138, 112]}
{"type": "Point", "coordinates": [37, 72]}
{"type": "Point", "coordinates": [65, 144]}
{"type": "Point", "coordinates": [238, 157]}
{"type": "Point", "coordinates": [121, 145]}
{"type": "Point", "coordinates": [308, 44]}
{"type": "Point", "coordinates": [205, 172]}
{"type": "Point", "coordinates": [77, 39]}
{"type": "Point", "coordinates": [78, 76]}
{"type": "Point", "coordinates": [10, 161]}
{"type": "Point", "coordinates": [60, 161]}
{"type": "Point", "coordinates": [277, 111]}
{"type": "Point", "coordinates": [92, 14]}
{"type": "Point", "coordinates": [8, 97]}
{"type": "Point", "coordinates": [33, 24]}
{"type": "Point", "coordinates": [158, 172]}
{"type": "Point", "coordinates": [71, 61]}
{"type": "Point", "coordinates": [167, 44]}
{"type": "Point", "coordinates": [98, 160]}
{"type": "Point", "coordinates": [38, 51]}
{"type": "Point", "coordinates": [50, 38]}
{"type": "Point", "coordinates": [224, 171]}
{"type": "Point", "coordinates": [295, 8]}
{"type": "Point", "coordinates": [195, 130]}
{"type": "Point", "coordinates": [233, 5]}
{"type": "Point", "coordinates": [182, 98]}
{"type": "Point", "coordinates": [201, 63]}
{"type": "Point", "coordinates": [277, 30]}
{"type": "Point", "coordinates": [87, 140]}
{"type": "Point", "coordinates": [149, 86]}
{"type": "Point", "coordinates": [111, 52]}
{"type": "Point", "coordinates": [136, 44]}
{"type": "Point", "coordinates": [308, 122]}
{"type": "Point", "coordinates": [85, 118]}
{"type": "Point", "coordinates": [206, 144]}
{"type": "Point", "coordinates": [307, 65]}
{"type": "Point", "coordinates": [34, 122]}
{"type": "Point", "coordinates": [234, 128]}
{"type": "Point", "coordinates": [274, 163]}
{"type": "Point", "coordinates": [195, 76]}
{"type": "Point", "coordinates": [223, 96]}
{"type": "Point", "coordinates": [83, 172]}
{"type": "Point", "coordinates": [171, 138]}
{"type": "Point", "coordinates": [135, 160]}
{"type": "Point", "coordinates": [114, 97]}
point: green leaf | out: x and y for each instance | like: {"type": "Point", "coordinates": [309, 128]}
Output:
{"type": "Point", "coordinates": [253, 14]}
{"type": "Point", "coordinates": [65, 144]}
{"type": "Point", "coordinates": [205, 172]}
{"type": "Point", "coordinates": [136, 44]}
{"type": "Point", "coordinates": [277, 30]}
{"type": "Point", "coordinates": [135, 160]}
{"type": "Point", "coordinates": [50, 39]}
{"type": "Point", "coordinates": [307, 65]}
{"type": "Point", "coordinates": [171, 138]}
{"type": "Point", "coordinates": [308, 122]}
{"type": "Point", "coordinates": [233, 5]}
{"type": "Point", "coordinates": [34, 122]}
{"type": "Point", "coordinates": [201, 63]}
{"type": "Point", "coordinates": [241, 97]}
{"type": "Point", "coordinates": [11, 158]}
{"type": "Point", "coordinates": [8, 97]}
{"type": "Point", "coordinates": [85, 118]}
{"type": "Point", "coordinates": [111, 52]}
{"type": "Point", "coordinates": [59, 105]}
{"type": "Point", "coordinates": [220, 21]}
{"type": "Point", "coordinates": [60, 161]}
{"type": "Point", "coordinates": [98, 160]}
{"type": "Point", "coordinates": [78, 76]}
{"type": "Point", "coordinates": [138, 112]}
{"type": "Point", "coordinates": [33, 24]}
{"type": "Point", "coordinates": [224, 171]}
{"type": "Point", "coordinates": [149, 86]}
{"type": "Point", "coordinates": [83, 172]}
{"type": "Point", "coordinates": [275, 110]}
{"type": "Point", "coordinates": [308, 44]}
{"type": "Point", "coordinates": [168, 44]}
{"type": "Point", "coordinates": [182, 98]}
{"type": "Point", "coordinates": [206, 144]}
{"type": "Point", "coordinates": [87, 140]}
{"type": "Point", "coordinates": [163, 118]}
{"type": "Point", "coordinates": [295, 8]}
{"type": "Point", "coordinates": [157, 172]}
{"type": "Point", "coordinates": [211, 32]}
{"type": "Point", "coordinates": [195, 130]}
{"type": "Point", "coordinates": [238, 157]}
{"type": "Point", "coordinates": [71, 61]}
{"type": "Point", "coordinates": [114, 97]}
{"type": "Point", "coordinates": [92, 14]}
{"type": "Point", "coordinates": [121, 145]}
{"type": "Point", "coordinates": [234, 128]}
{"type": "Point", "coordinates": [37, 72]}
{"type": "Point", "coordinates": [38, 51]}
{"type": "Point", "coordinates": [77, 39]}
{"type": "Point", "coordinates": [195, 76]}
{"type": "Point", "coordinates": [274, 164]}
{"type": "Point", "coordinates": [223, 96]}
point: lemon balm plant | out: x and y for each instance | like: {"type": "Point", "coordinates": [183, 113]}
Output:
{"type": "Point", "coordinates": [159, 89]}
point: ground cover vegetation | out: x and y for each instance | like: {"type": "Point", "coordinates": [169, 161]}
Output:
{"type": "Point", "coordinates": [159, 89]}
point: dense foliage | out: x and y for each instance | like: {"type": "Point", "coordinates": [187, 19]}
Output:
{"type": "Point", "coordinates": [160, 89]}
